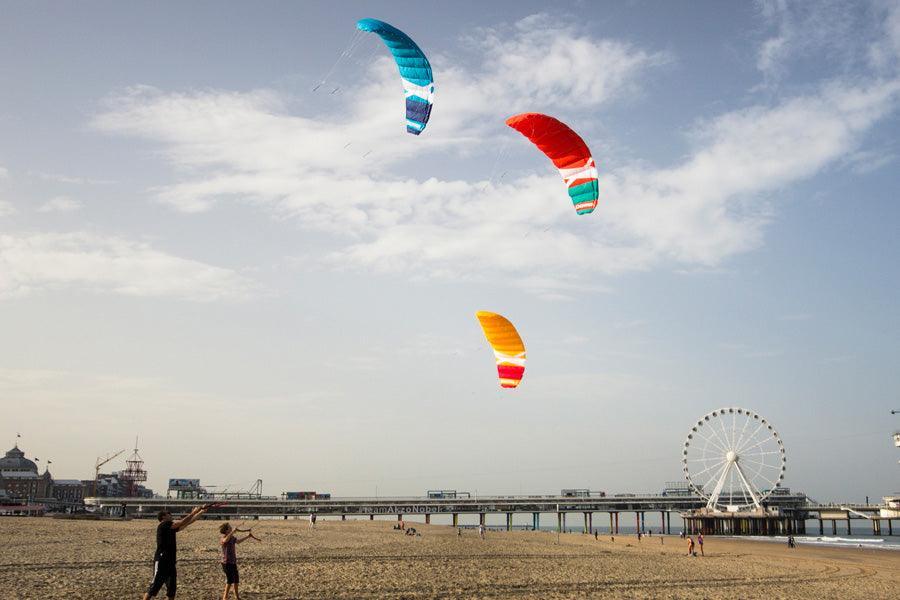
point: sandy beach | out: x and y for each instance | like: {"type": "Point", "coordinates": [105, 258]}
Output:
{"type": "Point", "coordinates": [47, 558]}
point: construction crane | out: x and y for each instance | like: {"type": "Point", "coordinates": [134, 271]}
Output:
{"type": "Point", "coordinates": [100, 463]}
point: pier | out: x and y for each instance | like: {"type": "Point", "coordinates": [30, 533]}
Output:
{"type": "Point", "coordinates": [794, 508]}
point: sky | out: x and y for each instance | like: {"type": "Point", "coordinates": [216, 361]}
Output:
{"type": "Point", "coordinates": [261, 279]}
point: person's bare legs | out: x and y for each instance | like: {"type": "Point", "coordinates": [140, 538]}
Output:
{"type": "Point", "coordinates": [225, 593]}
{"type": "Point", "coordinates": [237, 594]}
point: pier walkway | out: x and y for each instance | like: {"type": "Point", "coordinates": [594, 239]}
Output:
{"type": "Point", "coordinates": [792, 510]}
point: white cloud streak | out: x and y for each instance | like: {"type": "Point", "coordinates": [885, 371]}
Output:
{"type": "Point", "coordinates": [61, 204]}
{"type": "Point", "coordinates": [44, 261]}
{"type": "Point", "coordinates": [884, 53]}
{"type": "Point", "coordinates": [835, 31]}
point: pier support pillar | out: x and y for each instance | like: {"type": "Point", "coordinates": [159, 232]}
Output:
{"type": "Point", "coordinates": [536, 521]}
{"type": "Point", "coordinates": [559, 522]}
{"type": "Point", "coordinates": [637, 521]}
{"type": "Point", "coordinates": [481, 518]}
{"type": "Point", "coordinates": [564, 522]}
{"type": "Point", "coordinates": [849, 530]}
{"type": "Point", "coordinates": [874, 526]}
{"type": "Point", "coordinates": [821, 528]}
{"type": "Point", "coordinates": [428, 519]}
{"type": "Point", "coordinates": [834, 527]}
{"type": "Point", "coordinates": [617, 523]}
{"type": "Point", "coordinates": [585, 528]}
{"type": "Point", "coordinates": [669, 523]}
{"type": "Point", "coordinates": [890, 527]}
{"type": "Point", "coordinates": [509, 521]}
{"type": "Point", "coordinates": [610, 524]}
{"type": "Point", "coordinates": [590, 522]}
{"type": "Point", "coordinates": [371, 517]}
{"type": "Point", "coordinates": [456, 519]}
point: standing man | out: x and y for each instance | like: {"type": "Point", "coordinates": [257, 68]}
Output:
{"type": "Point", "coordinates": [700, 543]}
{"type": "Point", "coordinates": [164, 558]}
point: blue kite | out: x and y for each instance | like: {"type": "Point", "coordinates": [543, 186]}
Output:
{"type": "Point", "coordinates": [415, 71]}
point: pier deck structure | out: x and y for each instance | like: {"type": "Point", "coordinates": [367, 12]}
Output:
{"type": "Point", "coordinates": [787, 513]}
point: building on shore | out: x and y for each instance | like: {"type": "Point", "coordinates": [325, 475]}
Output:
{"type": "Point", "coordinates": [20, 478]}
{"type": "Point", "coordinates": [22, 482]}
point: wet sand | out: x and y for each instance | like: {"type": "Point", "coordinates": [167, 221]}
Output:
{"type": "Point", "coordinates": [47, 558]}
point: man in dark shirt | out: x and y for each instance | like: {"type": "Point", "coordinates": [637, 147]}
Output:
{"type": "Point", "coordinates": [164, 558]}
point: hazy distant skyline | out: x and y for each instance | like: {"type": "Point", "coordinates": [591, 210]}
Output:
{"type": "Point", "coordinates": [259, 280]}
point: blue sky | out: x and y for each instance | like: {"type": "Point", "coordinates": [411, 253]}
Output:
{"type": "Point", "coordinates": [261, 280]}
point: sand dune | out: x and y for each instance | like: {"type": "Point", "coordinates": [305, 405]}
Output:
{"type": "Point", "coordinates": [44, 558]}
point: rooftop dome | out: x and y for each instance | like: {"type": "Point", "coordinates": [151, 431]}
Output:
{"type": "Point", "coordinates": [15, 461]}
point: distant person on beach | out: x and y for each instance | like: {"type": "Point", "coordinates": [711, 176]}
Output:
{"type": "Point", "coordinates": [596, 535]}
{"type": "Point", "coordinates": [682, 534]}
{"type": "Point", "coordinates": [459, 532]}
{"type": "Point", "coordinates": [481, 530]}
{"type": "Point", "coordinates": [700, 543]}
{"type": "Point", "coordinates": [312, 520]}
{"type": "Point", "coordinates": [791, 543]}
{"type": "Point", "coordinates": [164, 557]}
{"type": "Point", "coordinates": [691, 546]}
{"type": "Point", "coordinates": [228, 541]}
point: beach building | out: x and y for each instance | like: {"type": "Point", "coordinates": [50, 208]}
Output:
{"type": "Point", "coordinates": [68, 491]}
{"type": "Point", "coordinates": [19, 476]}
{"type": "Point", "coordinates": [21, 481]}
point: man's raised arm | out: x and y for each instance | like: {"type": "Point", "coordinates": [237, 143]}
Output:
{"type": "Point", "coordinates": [191, 517]}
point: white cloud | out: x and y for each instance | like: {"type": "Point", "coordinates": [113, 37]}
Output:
{"type": "Point", "coordinates": [837, 32]}
{"type": "Point", "coordinates": [774, 50]}
{"type": "Point", "coordinates": [547, 65]}
{"type": "Point", "coordinates": [884, 53]}
{"type": "Point", "coordinates": [699, 212]}
{"type": "Point", "coordinates": [6, 208]}
{"type": "Point", "coordinates": [60, 204]}
{"type": "Point", "coordinates": [61, 178]}
{"type": "Point", "coordinates": [863, 162]}
{"type": "Point", "coordinates": [41, 261]}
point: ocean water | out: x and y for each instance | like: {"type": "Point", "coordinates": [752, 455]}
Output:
{"type": "Point", "coordinates": [847, 541]}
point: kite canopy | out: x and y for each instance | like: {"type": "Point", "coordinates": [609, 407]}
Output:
{"type": "Point", "coordinates": [415, 71]}
{"type": "Point", "coordinates": [509, 350]}
{"type": "Point", "coordinates": [567, 151]}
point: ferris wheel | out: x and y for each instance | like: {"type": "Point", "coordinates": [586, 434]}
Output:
{"type": "Point", "coordinates": [734, 458]}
